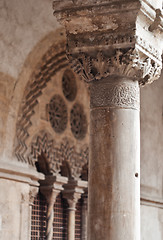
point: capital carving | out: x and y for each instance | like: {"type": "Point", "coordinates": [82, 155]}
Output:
{"type": "Point", "coordinates": [72, 192]}
{"type": "Point", "coordinates": [52, 186]}
{"type": "Point", "coordinates": [107, 38]}
{"type": "Point", "coordinates": [32, 194]}
{"type": "Point", "coordinates": [130, 64]}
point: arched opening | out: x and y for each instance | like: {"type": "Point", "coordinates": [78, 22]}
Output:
{"type": "Point", "coordinates": [65, 170]}
{"type": "Point", "coordinates": [42, 164]}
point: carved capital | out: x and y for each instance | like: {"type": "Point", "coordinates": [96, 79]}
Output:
{"type": "Point", "coordinates": [72, 192]}
{"type": "Point", "coordinates": [107, 38]}
{"type": "Point", "coordinates": [52, 186]}
{"type": "Point", "coordinates": [32, 194]}
{"type": "Point", "coordinates": [121, 62]}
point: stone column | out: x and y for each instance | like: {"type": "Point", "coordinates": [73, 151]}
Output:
{"type": "Point", "coordinates": [51, 187]}
{"type": "Point", "coordinates": [115, 46]}
{"type": "Point", "coordinates": [84, 215]}
{"type": "Point", "coordinates": [72, 192]}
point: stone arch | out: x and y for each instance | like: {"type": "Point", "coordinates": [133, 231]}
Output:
{"type": "Point", "coordinates": [59, 156]}
{"type": "Point", "coordinates": [84, 172]}
{"type": "Point", "coordinates": [65, 170]}
{"type": "Point", "coordinates": [43, 146]}
{"type": "Point", "coordinates": [51, 47]}
{"type": "Point", "coordinates": [53, 61]}
{"type": "Point", "coordinates": [27, 148]}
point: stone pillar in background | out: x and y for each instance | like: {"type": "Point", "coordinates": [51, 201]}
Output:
{"type": "Point", "coordinates": [115, 46]}
{"type": "Point", "coordinates": [50, 188]}
{"type": "Point", "coordinates": [72, 193]}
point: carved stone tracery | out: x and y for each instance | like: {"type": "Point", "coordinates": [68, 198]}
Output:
{"type": "Point", "coordinates": [57, 153]}
{"type": "Point", "coordinates": [116, 94]}
{"type": "Point", "coordinates": [124, 63]}
{"type": "Point", "coordinates": [78, 121]}
{"type": "Point", "coordinates": [58, 113]}
{"type": "Point", "coordinates": [52, 62]}
{"type": "Point", "coordinates": [69, 86]}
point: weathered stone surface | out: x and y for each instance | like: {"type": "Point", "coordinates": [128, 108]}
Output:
{"type": "Point", "coordinates": [113, 169]}
{"type": "Point", "coordinates": [151, 141]}
{"type": "Point", "coordinates": [114, 39]}
{"type": "Point", "coordinates": [23, 24]}
{"type": "Point", "coordinates": [11, 211]}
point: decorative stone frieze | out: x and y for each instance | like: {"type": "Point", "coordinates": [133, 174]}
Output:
{"type": "Point", "coordinates": [115, 93]}
{"type": "Point", "coordinates": [112, 38]}
{"type": "Point", "coordinates": [78, 121]}
{"type": "Point", "coordinates": [57, 153]}
{"type": "Point", "coordinates": [128, 64]}
{"type": "Point", "coordinates": [52, 62]}
{"type": "Point", "coordinates": [69, 86]}
{"type": "Point", "coordinates": [73, 190]}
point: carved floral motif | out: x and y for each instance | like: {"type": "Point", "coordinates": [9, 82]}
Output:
{"type": "Point", "coordinates": [58, 113]}
{"type": "Point", "coordinates": [123, 63]}
{"type": "Point", "coordinates": [112, 38]}
{"type": "Point", "coordinates": [78, 121]}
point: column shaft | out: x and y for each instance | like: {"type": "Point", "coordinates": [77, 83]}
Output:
{"type": "Point", "coordinates": [84, 217]}
{"type": "Point", "coordinates": [114, 195]}
{"type": "Point", "coordinates": [50, 216]}
{"type": "Point", "coordinates": [71, 223]}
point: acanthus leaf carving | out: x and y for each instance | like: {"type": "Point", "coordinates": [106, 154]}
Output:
{"type": "Point", "coordinates": [109, 38]}
{"type": "Point", "coordinates": [127, 63]}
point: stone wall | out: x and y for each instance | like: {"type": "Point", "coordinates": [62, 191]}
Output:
{"type": "Point", "coordinates": [11, 208]}
{"type": "Point", "coordinates": [151, 160]}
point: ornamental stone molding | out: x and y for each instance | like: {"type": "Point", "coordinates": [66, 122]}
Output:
{"type": "Point", "coordinates": [113, 38]}
{"type": "Point", "coordinates": [115, 93]}
{"type": "Point", "coordinates": [58, 115]}
{"type": "Point", "coordinates": [73, 191]}
{"type": "Point", "coordinates": [57, 153]}
{"type": "Point", "coordinates": [53, 61]}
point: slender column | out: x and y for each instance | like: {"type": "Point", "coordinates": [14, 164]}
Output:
{"type": "Point", "coordinates": [115, 46]}
{"type": "Point", "coordinates": [51, 198]}
{"type": "Point", "coordinates": [51, 187]}
{"type": "Point", "coordinates": [72, 192]}
{"type": "Point", "coordinates": [84, 216]}
{"type": "Point", "coordinates": [71, 218]}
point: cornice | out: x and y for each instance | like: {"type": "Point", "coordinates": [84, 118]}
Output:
{"type": "Point", "coordinates": [20, 174]}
